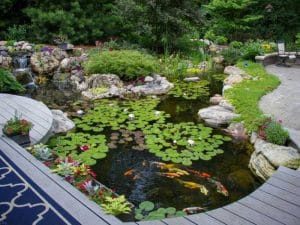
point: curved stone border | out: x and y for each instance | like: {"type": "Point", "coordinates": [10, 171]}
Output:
{"type": "Point", "coordinates": [32, 110]}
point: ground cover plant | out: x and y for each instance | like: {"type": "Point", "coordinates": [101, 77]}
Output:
{"type": "Point", "coordinates": [245, 96]}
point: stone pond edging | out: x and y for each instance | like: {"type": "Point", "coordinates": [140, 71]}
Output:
{"type": "Point", "coordinates": [267, 157]}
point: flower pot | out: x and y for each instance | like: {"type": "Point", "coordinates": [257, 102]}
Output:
{"type": "Point", "coordinates": [22, 140]}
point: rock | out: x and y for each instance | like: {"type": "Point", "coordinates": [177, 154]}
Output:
{"type": "Point", "coordinates": [224, 103]}
{"type": "Point", "coordinates": [226, 87]}
{"type": "Point", "coordinates": [43, 63]}
{"type": "Point", "coordinates": [59, 54]}
{"type": "Point", "coordinates": [61, 123]}
{"type": "Point", "coordinates": [5, 62]}
{"type": "Point", "coordinates": [3, 43]}
{"type": "Point", "coordinates": [216, 116]}
{"type": "Point", "coordinates": [159, 85]}
{"type": "Point", "coordinates": [233, 70]}
{"type": "Point", "coordinates": [241, 180]}
{"type": "Point", "coordinates": [23, 76]}
{"type": "Point", "coordinates": [218, 59]}
{"type": "Point", "coordinates": [191, 79]}
{"type": "Point", "coordinates": [3, 48]}
{"type": "Point", "coordinates": [233, 79]}
{"type": "Point", "coordinates": [64, 64]}
{"type": "Point", "coordinates": [70, 46]}
{"type": "Point", "coordinates": [216, 99]}
{"type": "Point", "coordinates": [237, 131]}
{"type": "Point", "coordinates": [104, 80]}
{"type": "Point", "coordinates": [268, 157]}
{"type": "Point", "coordinates": [4, 53]}
{"type": "Point", "coordinates": [148, 79]}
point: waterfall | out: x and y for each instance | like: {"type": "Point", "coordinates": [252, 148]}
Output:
{"type": "Point", "coordinates": [22, 72]}
{"type": "Point", "coordinates": [22, 62]}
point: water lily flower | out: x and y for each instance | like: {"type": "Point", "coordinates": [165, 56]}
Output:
{"type": "Point", "coordinates": [131, 116]}
{"type": "Point", "coordinates": [84, 148]}
{"type": "Point", "coordinates": [174, 142]}
{"type": "Point", "coordinates": [157, 113]}
{"type": "Point", "coordinates": [80, 112]}
{"type": "Point", "coordinates": [191, 142]}
{"type": "Point", "coordinates": [125, 110]}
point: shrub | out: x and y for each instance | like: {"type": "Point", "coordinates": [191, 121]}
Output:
{"type": "Point", "coordinates": [231, 55]}
{"type": "Point", "coordinates": [174, 67]}
{"type": "Point", "coordinates": [236, 44]}
{"type": "Point", "coordinates": [251, 49]}
{"type": "Point", "coordinates": [276, 134]}
{"type": "Point", "coordinates": [297, 42]}
{"type": "Point", "coordinates": [8, 84]}
{"type": "Point", "coordinates": [16, 33]}
{"type": "Point", "coordinates": [128, 64]}
{"type": "Point", "coordinates": [221, 40]}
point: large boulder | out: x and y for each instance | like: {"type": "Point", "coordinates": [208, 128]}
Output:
{"type": "Point", "coordinates": [233, 79]}
{"type": "Point", "coordinates": [216, 116]}
{"type": "Point", "coordinates": [268, 157]}
{"type": "Point", "coordinates": [158, 86]}
{"type": "Point", "coordinates": [61, 123]}
{"type": "Point", "coordinates": [233, 70]}
{"type": "Point", "coordinates": [43, 63]}
{"type": "Point", "coordinates": [104, 80]}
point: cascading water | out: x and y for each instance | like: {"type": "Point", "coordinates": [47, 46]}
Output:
{"type": "Point", "coordinates": [22, 71]}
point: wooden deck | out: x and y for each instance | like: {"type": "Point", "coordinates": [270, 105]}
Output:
{"type": "Point", "coordinates": [276, 202]}
{"type": "Point", "coordinates": [34, 111]}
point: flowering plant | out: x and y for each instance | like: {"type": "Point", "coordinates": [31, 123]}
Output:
{"type": "Point", "coordinates": [16, 125]}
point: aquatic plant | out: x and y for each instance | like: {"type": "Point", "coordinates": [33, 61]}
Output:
{"type": "Point", "coordinates": [146, 211]}
{"type": "Point", "coordinates": [116, 206]}
{"type": "Point", "coordinates": [183, 142]}
{"type": "Point", "coordinates": [72, 142]}
{"type": "Point", "coordinates": [130, 115]}
{"type": "Point", "coordinates": [190, 90]}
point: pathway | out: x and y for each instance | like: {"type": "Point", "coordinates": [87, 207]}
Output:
{"type": "Point", "coordinates": [284, 102]}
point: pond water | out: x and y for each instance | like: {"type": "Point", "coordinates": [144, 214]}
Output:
{"type": "Point", "coordinates": [211, 180]}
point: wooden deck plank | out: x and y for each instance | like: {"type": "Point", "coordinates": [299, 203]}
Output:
{"type": "Point", "coordinates": [11, 109]}
{"type": "Point", "coordinates": [251, 215]}
{"type": "Point", "coordinates": [178, 221]}
{"type": "Point", "coordinates": [203, 218]}
{"type": "Point", "coordinates": [276, 202]}
{"type": "Point", "coordinates": [228, 217]}
{"type": "Point", "coordinates": [287, 178]}
{"type": "Point", "coordinates": [291, 172]}
{"type": "Point", "coordinates": [269, 211]}
{"type": "Point", "coordinates": [36, 114]}
{"type": "Point", "coordinates": [154, 222]}
{"type": "Point", "coordinates": [280, 193]}
{"type": "Point", "coordinates": [284, 185]}
{"type": "Point", "coordinates": [30, 102]}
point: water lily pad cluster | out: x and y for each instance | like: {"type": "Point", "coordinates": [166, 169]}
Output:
{"type": "Point", "coordinates": [190, 90]}
{"type": "Point", "coordinates": [94, 146]}
{"type": "Point", "coordinates": [130, 115]}
{"type": "Point", "coordinates": [183, 142]}
{"type": "Point", "coordinates": [146, 211]}
{"type": "Point", "coordinates": [126, 136]}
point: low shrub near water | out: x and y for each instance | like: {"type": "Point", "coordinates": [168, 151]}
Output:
{"type": "Point", "coordinates": [128, 64]}
{"type": "Point", "coordinates": [276, 134]}
{"type": "Point", "coordinates": [8, 84]}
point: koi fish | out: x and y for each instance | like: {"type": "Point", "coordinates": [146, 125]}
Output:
{"type": "Point", "coordinates": [129, 172]}
{"type": "Point", "coordinates": [193, 210]}
{"type": "Point", "coordinates": [221, 189]}
{"type": "Point", "coordinates": [192, 185]}
{"type": "Point", "coordinates": [199, 174]}
{"type": "Point", "coordinates": [170, 175]}
{"type": "Point", "coordinates": [136, 177]}
{"type": "Point", "coordinates": [171, 168]}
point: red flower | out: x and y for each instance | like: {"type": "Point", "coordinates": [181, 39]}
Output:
{"type": "Point", "coordinates": [70, 179]}
{"type": "Point", "coordinates": [92, 173]}
{"type": "Point", "coordinates": [47, 163]}
{"type": "Point", "coordinates": [84, 148]}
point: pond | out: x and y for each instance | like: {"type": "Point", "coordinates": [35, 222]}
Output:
{"type": "Point", "coordinates": [156, 149]}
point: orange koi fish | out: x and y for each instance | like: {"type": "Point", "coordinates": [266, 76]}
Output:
{"type": "Point", "coordinates": [193, 185]}
{"type": "Point", "coordinates": [199, 174]}
{"type": "Point", "coordinates": [129, 172]}
{"type": "Point", "coordinates": [171, 175]}
{"type": "Point", "coordinates": [221, 189]}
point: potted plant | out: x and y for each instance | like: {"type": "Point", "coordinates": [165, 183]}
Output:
{"type": "Point", "coordinates": [18, 130]}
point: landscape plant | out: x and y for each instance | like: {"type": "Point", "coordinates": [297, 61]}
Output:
{"type": "Point", "coordinates": [276, 134]}
{"type": "Point", "coordinates": [16, 126]}
{"type": "Point", "coordinates": [8, 83]}
{"type": "Point", "coordinates": [127, 64]}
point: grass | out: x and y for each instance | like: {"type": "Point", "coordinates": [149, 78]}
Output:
{"type": "Point", "coordinates": [245, 96]}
